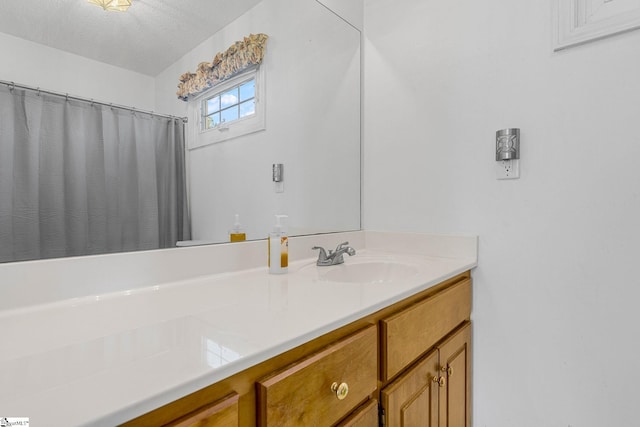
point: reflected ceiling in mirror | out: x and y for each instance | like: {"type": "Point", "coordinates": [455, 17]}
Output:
{"type": "Point", "coordinates": [149, 37]}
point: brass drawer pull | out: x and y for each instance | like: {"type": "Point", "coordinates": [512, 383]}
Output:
{"type": "Point", "coordinates": [341, 390]}
{"type": "Point", "coordinates": [440, 380]}
{"type": "Point", "coordinates": [447, 369]}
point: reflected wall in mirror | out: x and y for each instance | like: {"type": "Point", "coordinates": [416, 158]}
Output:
{"type": "Point", "coordinates": [312, 97]}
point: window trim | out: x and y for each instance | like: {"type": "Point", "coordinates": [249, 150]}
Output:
{"type": "Point", "coordinates": [243, 126]}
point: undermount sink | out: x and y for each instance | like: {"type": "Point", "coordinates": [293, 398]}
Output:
{"type": "Point", "coordinates": [367, 272]}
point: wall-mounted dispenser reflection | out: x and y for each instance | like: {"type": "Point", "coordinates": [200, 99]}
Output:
{"type": "Point", "coordinates": [278, 169]}
{"type": "Point", "coordinates": [508, 153]}
{"type": "Point", "coordinates": [278, 177]}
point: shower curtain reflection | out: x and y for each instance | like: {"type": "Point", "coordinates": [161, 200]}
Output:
{"type": "Point", "coordinates": [78, 178]}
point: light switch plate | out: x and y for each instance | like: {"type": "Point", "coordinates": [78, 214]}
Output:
{"type": "Point", "coordinates": [508, 169]}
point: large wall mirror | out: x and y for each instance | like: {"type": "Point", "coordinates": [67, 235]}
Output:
{"type": "Point", "coordinates": [312, 91]}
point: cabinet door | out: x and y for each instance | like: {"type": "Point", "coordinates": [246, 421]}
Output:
{"type": "Point", "coordinates": [223, 413]}
{"type": "Point", "coordinates": [412, 399]}
{"type": "Point", "coordinates": [455, 362]}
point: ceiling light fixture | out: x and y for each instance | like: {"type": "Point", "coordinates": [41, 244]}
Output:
{"type": "Point", "coordinates": [117, 5]}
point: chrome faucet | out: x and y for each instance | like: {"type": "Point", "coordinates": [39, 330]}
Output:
{"type": "Point", "coordinates": [334, 257]}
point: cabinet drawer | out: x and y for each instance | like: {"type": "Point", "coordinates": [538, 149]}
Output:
{"type": "Point", "coordinates": [365, 416]}
{"type": "Point", "coordinates": [223, 413]}
{"type": "Point", "coordinates": [302, 394]}
{"type": "Point", "coordinates": [409, 333]}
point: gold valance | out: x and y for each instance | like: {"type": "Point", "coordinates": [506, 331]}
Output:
{"type": "Point", "coordinates": [240, 56]}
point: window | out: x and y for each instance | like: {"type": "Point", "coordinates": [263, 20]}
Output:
{"type": "Point", "coordinates": [229, 110]}
{"type": "Point", "coordinates": [232, 104]}
{"type": "Point", "coordinates": [581, 21]}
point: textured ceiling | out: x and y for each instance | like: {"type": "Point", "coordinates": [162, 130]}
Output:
{"type": "Point", "coordinates": [147, 38]}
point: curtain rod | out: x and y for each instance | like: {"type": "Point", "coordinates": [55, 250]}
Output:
{"type": "Point", "coordinates": [13, 85]}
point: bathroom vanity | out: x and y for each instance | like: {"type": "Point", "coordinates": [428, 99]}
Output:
{"type": "Point", "coordinates": [386, 334]}
{"type": "Point", "coordinates": [423, 348]}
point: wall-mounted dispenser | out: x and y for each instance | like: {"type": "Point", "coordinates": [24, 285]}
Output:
{"type": "Point", "coordinates": [508, 153]}
{"type": "Point", "coordinates": [508, 144]}
{"type": "Point", "coordinates": [277, 173]}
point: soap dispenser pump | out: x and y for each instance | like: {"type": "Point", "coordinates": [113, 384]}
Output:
{"type": "Point", "coordinates": [278, 248]}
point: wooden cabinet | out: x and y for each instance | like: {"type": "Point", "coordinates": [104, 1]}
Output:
{"type": "Point", "coordinates": [409, 333]}
{"type": "Point", "coordinates": [412, 357]}
{"type": "Point", "coordinates": [223, 413]}
{"type": "Point", "coordinates": [412, 400]}
{"type": "Point", "coordinates": [455, 368]}
{"type": "Point", "coordinates": [322, 388]}
{"type": "Point", "coordinates": [436, 391]}
{"type": "Point", "coordinates": [365, 416]}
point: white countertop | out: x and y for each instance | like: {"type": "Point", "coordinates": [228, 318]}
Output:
{"type": "Point", "coordinates": [103, 360]}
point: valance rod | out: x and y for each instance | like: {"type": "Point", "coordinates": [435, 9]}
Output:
{"type": "Point", "coordinates": [12, 85]}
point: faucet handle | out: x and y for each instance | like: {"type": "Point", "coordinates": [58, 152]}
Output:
{"type": "Point", "coordinates": [323, 259]}
{"type": "Point", "coordinates": [322, 255]}
{"type": "Point", "coordinates": [341, 245]}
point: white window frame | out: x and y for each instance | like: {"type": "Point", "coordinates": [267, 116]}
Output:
{"type": "Point", "coordinates": [580, 21]}
{"type": "Point", "coordinates": [225, 131]}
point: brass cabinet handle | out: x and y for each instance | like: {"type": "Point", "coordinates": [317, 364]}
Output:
{"type": "Point", "coordinates": [440, 380]}
{"type": "Point", "coordinates": [447, 369]}
{"type": "Point", "coordinates": [341, 390]}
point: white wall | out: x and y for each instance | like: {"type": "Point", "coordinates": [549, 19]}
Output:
{"type": "Point", "coordinates": [36, 65]}
{"type": "Point", "coordinates": [312, 68]}
{"type": "Point", "coordinates": [351, 11]}
{"type": "Point", "coordinates": [555, 293]}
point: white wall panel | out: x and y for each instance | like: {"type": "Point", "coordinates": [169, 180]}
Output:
{"type": "Point", "coordinates": [36, 65]}
{"type": "Point", "coordinates": [555, 293]}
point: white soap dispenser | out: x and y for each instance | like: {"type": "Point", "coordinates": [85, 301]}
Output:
{"type": "Point", "coordinates": [278, 248]}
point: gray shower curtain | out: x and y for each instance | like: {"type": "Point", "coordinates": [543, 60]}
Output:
{"type": "Point", "coordinates": [78, 178]}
